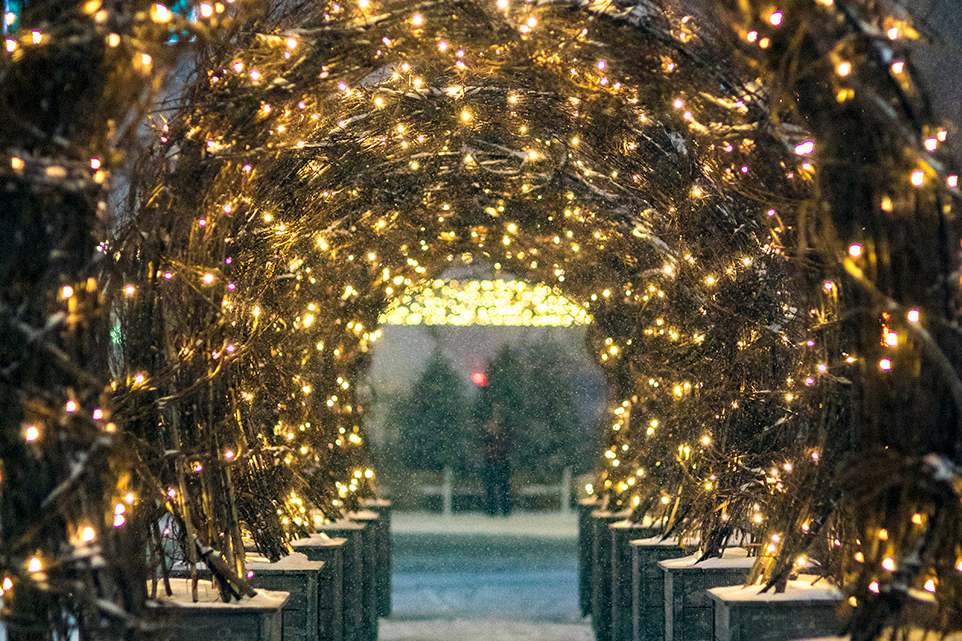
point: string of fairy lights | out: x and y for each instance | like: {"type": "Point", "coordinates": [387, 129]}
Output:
{"type": "Point", "coordinates": [483, 302]}
{"type": "Point", "coordinates": [329, 162]}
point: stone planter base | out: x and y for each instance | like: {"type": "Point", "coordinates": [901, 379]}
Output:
{"type": "Point", "coordinates": [622, 534]}
{"type": "Point", "coordinates": [299, 577]}
{"type": "Point", "coordinates": [372, 554]}
{"type": "Point", "coordinates": [383, 567]}
{"type": "Point", "coordinates": [356, 626]}
{"type": "Point", "coordinates": [330, 595]}
{"type": "Point", "coordinates": [688, 610]}
{"type": "Point", "coordinates": [601, 572]}
{"type": "Point", "coordinates": [251, 619]}
{"type": "Point", "coordinates": [803, 610]}
{"type": "Point", "coordinates": [648, 586]}
{"type": "Point", "coordinates": [585, 508]}
{"type": "Point", "coordinates": [912, 634]}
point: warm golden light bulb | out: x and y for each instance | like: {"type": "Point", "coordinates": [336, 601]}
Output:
{"type": "Point", "coordinates": [160, 14]}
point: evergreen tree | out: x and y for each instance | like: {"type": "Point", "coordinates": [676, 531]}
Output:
{"type": "Point", "coordinates": [506, 387]}
{"type": "Point", "coordinates": [433, 423]}
{"type": "Point", "coordinates": [534, 390]}
{"type": "Point", "coordinates": [551, 440]}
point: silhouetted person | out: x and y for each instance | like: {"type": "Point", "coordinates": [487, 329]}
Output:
{"type": "Point", "coordinates": [496, 444]}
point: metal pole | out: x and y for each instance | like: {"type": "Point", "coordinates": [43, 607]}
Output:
{"type": "Point", "coordinates": [566, 491]}
{"type": "Point", "coordinates": [447, 491]}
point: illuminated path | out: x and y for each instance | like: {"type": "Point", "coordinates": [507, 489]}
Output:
{"type": "Point", "coordinates": [470, 577]}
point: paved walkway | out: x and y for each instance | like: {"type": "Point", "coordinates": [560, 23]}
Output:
{"type": "Point", "coordinates": [474, 578]}
{"type": "Point", "coordinates": [540, 525]}
{"type": "Point", "coordinates": [481, 630]}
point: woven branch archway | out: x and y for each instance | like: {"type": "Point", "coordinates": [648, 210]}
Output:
{"type": "Point", "coordinates": [759, 314]}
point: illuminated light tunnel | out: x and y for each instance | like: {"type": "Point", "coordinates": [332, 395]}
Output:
{"type": "Point", "coordinates": [749, 202]}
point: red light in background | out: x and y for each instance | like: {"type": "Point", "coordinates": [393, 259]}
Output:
{"type": "Point", "coordinates": [479, 378]}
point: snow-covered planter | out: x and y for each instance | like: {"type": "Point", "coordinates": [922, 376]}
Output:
{"type": "Point", "coordinates": [802, 610]}
{"type": "Point", "coordinates": [373, 535]}
{"type": "Point", "coordinates": [622, 534]}
{"type": "Point", "coordinates": [299, 577]}
{"type": "Point", "coordinates": [648, 586]}
{"type": "Point", "coordinates": [330, 608]}
{"type": "Point", "coordinates": [585, 508]}
{"type": "Point", "coordinates": [687, 608]}
{"type": "Point", "coordinates": [601, 571]}
{"type": "Point", "coordinates": [383, 566]}
{"type": "Point", "coordinates": [356, 627]}
{"type": "Point", "coordinates": [257, 618]}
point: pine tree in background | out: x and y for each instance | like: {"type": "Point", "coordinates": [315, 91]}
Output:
{"type": "Point", "coordinates": [433, 424]}
{"type": "Point", "coordinates": [534, 387]}
{"type": "Point", "coordinates": [550, 442]}
{"type": "Point", "coordinates": [506, 387]}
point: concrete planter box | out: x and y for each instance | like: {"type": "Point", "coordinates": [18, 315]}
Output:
{"type": "Point", "coordinates": [372, 554]}
{"type": "Point", "coordinates": [299, 577]}
{"type": "Point", "coordinates": [648, 585]}
{"type": "Point", "coordinates": [383, 566]}
{"type": "Point", "coordinates": [622, 533]}
{"type": "Point", "coordinates": [803, 610]}
{"type": "Point", "coordinates": [356, 626]}
{"type": "Point", "coordinates": [585, 508]}
{"type": "Point", "coordinates": [293, 574]}
{"type": "Point", "coordinates": [688, 610]}
{"type": "Point", "coordinates": [330, 591]}
{"type": "Point", "coordinates": [257, 618]}
{"type": "Point", "coordinates": [601, 571]}
{"type": "Point", "coordinates": [907, 634]}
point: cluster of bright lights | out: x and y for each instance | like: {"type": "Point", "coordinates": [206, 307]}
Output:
{"type": "Point", "coordinates": [484, 302]}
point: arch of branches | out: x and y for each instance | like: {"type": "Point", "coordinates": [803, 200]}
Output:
{"type": "Point", "coordinates": [749, 202]}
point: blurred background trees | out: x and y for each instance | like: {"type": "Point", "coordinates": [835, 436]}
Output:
{"type": "Point", "coordinates": [437, 422]}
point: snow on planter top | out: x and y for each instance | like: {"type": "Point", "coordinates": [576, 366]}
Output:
{"type": "Point", "coordinates": [295, 561]}
{"type": "Point", "coordinates": [731, 558]}
{"type": "Point", "coordinates": [318, 538]}
{"type": "Point", "coordinates": [363, 514]}
{"type": "Point", "coordinates": [208, 597]}
{"type": "Point", "coordinates": [669, 542]}
{"type": "Point", "coordinates": [799, 590]}
{"type": "Point", "coordinates": [627, 523]}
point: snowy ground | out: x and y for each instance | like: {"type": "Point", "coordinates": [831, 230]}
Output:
{"type": "Point", "coordinates": [474, 578]}
{"type": "Point", "coordinates": [542, 525]}
{"type": "Point", "coordinates": [481, 630]}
